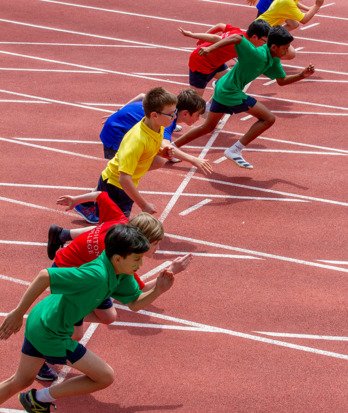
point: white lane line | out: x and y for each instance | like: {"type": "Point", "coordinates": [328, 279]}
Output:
{"type": "Point", "coordinates": [155, 270]}
{"type": "Point", "coordinates": [208, 255]}
{"type": "Point", "coordinates": [58, 141]}
{"type": "Point", "coordinates": [257, 253]}
{"type": "Point", "coordinates": [212, 329]}
{"type": "Point", "coordinates": [192, 171]}
{"type": "Point", "coordinates": [47, 148]}
{"type": "Point", "coordinates": [30, 243]}
{"type": "Point", "coordinates": [30, 205]}
{"type": "Point", "coordinates": [195, 207]}
{"type": "Point", "coordinates": [70, 188]}
{"type": "Point", "coordinates": [161, 326]}
{"type": "Point", "coordinates": [4, 410]}
{"type": "Point", "coordinates": [16, 69]}
{"type": "Point", "coordinates": [35, 102]}
{"type": "Point", "coordinates": [335, 262]}
{"type": "Point", "coordinates": [272, 191]}
{"type": "Point", "coordinates": [309, 26]}
{"type": "Point", "coordinates": [78, 45]}
{"type": "Point", "coordinates": [60, 102]}
{"type": "Point", "coordinates": [303, 336]}
{"type": "Point", "coordinates": [85, 339]}
{"type": "Point", "coordinates": [13, 280]}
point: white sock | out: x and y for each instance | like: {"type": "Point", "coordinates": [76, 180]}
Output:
{"type": "Point", "coordinates": [237, 147]}
{"type": "Point", "coordinates": [43, 395]}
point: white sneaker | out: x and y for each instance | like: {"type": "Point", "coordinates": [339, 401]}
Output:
{"type": "Point", "coordinates": [178, 128]}
{"type": "Point", "coordinates": [237, 158]}
{"type": "Point", "coordinates": [174, 160]}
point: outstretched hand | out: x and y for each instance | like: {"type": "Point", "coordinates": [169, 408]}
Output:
{"type": "Point", "coordinates": [203, 51]}
{"type": "Point", "coordinates": [11, 325]}
{"type": "Point", "coordinates": [308, 71]}
{"type": "Point", "coordinates": [167, 152]}
{"type": "Point", "coordinates": [180, 264]}
{"type": "Point", "coordinates": [67, 201]}
{"type": "Point", "coordinates": [186, 33]}
{"type": "Point", "coordinates": [164, 281]}
{"type": "Point", "coordinates": [204, 166]}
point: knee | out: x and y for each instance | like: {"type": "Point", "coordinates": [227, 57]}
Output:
{"type": "Point", "coordinates": [107, 377]}
{"type": "Point", "coordinates": [20, 383]}
{"type": "Point", "coordinates": [270, 119]}
{"type": "Point", "coordinates": [107, 317]}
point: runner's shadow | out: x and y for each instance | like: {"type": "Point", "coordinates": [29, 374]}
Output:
{"type": "Point", "coordinates": [86, 402]}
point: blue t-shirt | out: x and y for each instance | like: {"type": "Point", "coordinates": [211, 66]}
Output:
{"type": "Point", "coordinates": [263, 5]}
{"type": "Point", "coordinates": [120, 122]}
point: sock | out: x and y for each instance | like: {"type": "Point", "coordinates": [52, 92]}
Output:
{"type": "Point", "coordinates": [43, 395]}
{"type": "Point", "coordinates": [173, 144]}
{"type": "Point", "coordinates": [237, 147]}
{"type": "Point", "coordinates": [65, 236]}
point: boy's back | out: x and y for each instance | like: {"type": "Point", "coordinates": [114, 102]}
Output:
{"type": "Point", "coordinates": [282, 10]}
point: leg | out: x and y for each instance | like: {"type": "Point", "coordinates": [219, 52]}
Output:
{"type": "Point", "coordinates": [97, 375]}
{"type": "Point", "coordinates": [24, 377]}
{"type": "Point", "coordinates": [207, 127]}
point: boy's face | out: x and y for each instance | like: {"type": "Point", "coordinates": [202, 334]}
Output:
{"type": "Point", "coordinates": [184, 116]}
{"type": "Point", "coordinates": [153, 247]}
{"type": "Point", "coordinates": [279, 51]}
{"type": "Point", "coordinates": [258, 41]}
{"type": "Point", "coordinates": [166, 116]}
{"type": "Point", "coordinates": [127, 265]}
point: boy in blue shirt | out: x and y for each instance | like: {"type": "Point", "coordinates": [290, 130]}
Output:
{"type": "Point", "coordinates": [74, 293]}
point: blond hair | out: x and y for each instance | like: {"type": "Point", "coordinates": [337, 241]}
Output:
{"type": "Point", "coordinates": [150, 226]}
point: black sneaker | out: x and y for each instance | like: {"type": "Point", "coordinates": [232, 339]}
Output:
{"type": "Point", "coordinates": [31, 405]}
{"type": "Point", "coordinates": [46, 373]}
{"type": "Point", "coordinates": [54, 242]}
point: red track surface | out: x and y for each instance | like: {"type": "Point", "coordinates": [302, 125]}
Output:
{"type": "Point", "coordinates": [279, 285]}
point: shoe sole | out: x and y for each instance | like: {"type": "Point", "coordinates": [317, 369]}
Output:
{"type": "Point", "coordinates": [24, 402]}
{"type": "Point", "coordinates": [52, 240]}
{"type": "Point", "coordinates": [86, 219]}
{"type": "Point", "coordinates": [45, 379]}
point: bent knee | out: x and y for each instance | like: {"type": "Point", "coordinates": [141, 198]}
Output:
{"type": "Point", "coordinates": [107, 377]}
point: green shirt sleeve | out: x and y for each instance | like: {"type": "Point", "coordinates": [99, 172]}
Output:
{"type": "Point", "coordinates": [127, 289]}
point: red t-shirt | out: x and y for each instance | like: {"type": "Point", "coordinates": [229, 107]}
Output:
{"type": "Point", "coordinates": [89, 245]}
{"type": "Point", "coordinates": [210, 62]}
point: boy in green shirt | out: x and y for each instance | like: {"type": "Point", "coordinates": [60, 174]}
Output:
{"type": "Point", "coordinates": [75, 292]}
{"type": "Point", "coordinates": [229, 96]}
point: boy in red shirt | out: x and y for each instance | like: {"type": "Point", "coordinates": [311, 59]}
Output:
{"type": "Point", "coordinates": [203, 68]}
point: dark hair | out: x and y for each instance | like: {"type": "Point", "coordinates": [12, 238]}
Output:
{"type": "Point", "coordinates": [190, 100]}
{"type": "Point", "coordinates": [123, 240]}
{"type": "Point", "coordinates": [279, 36]}
{"type": "Point", "coordinates": [156, 99]}
{"type": "Point", "coordinates": [259, 28]}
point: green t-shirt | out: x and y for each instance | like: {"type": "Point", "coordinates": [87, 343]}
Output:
{"type": "Point", "coordinates": [75, 292]}
{"type": "Point", "coordinates": [252, 62]}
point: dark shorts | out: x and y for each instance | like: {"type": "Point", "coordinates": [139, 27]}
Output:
{"type": "Point", "coordinates": [103, 306]}
{"type": "Point", "coordinates": [109, 153]}
{"type": "Point", "coordinates": [72, 356]}
{"type": "Point", "coordinates": [247, 104]}
{"type": "Point", "coordinates": [117, 195]}
{"type": "Point", "coordinates": [200, 80]}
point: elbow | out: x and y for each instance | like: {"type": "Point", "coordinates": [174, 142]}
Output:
{"type": "Point", "coordinates": [281, 82]}
{"type": "Point", "coordinates": [133, 307]}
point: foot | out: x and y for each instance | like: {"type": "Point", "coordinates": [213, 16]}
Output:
{"type": "Point", "coordinates": [46, 373]}
{"type": "Point", "coordinates": [87, 213]}
{"type": "Point", "coordinates": [238, 159]}
{"type": "Point", "coordinates": [31, 405]}
{"type": "Point", "coordinates": [54, 242]}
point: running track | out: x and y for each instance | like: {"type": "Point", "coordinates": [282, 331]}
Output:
{"type": "Point", "coordinates": [259, 321]}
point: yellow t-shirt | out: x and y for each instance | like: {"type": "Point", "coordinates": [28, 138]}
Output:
{"type": "Point", "coordinates": [135, 155]}
{"type": "Point", "coordinates": [281, 10]}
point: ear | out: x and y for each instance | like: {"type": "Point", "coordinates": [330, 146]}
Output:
{"type": "Point", "coordinates": [115, 259]}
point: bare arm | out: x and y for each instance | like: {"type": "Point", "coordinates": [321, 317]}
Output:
{"type": "Point", "coordinates": [14, 320]}
{"type": "Point", "coordinates": [312, 11]}
{"type": "Point", "coordinates": [136, 98]}
{"type": "Point", "coordinates": [133, 193]}
{"type": "Point", "coordinates": [163, 283]}
{"type": "Point", "coordinates": [308, 71]}
{"type": "Point", "coordinates": [206, 37]}
{"type": "Point", "coordinates": [217, 28]}
{"type": "Point", "coordinates": [303, 7]}
{"type": "Point", "coordinates": [234, 39]}
{"type": "Point", "coordinates": [70, 201]}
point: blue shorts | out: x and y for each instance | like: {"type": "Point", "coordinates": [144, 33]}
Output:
{"type": "Point", "coordinates": [72, 356]}
{"type": "Point", "coordinates": [118, 195]}
{"type": "Point", "coordinates": [247, 104]}
{"type": "Point", "coordinates": [107, 303]}
{"type": "Point", "coordinates": [200, 80]}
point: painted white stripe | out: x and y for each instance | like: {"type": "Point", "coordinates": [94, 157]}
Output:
{"type": "Point", "coordinates": [327, 5]}
{"type": "Point", "coordinates": [14, 280]}
{"type": "Point", "coordinates": [270, 82]}
{"type": "Point", "coordinates": [289, 194]}
{"type": "Point", "coordinates": [247, 117]}
{"type": "Point", "coordinates": [295, 152]}
{"type": "Point", "coordinates": [257, 253]}
{"type": "Point", "coordinates": [303, 336]}
{"type": "Point", "coordinates": [58, 141]}
{"type": "Point", "coordinates": [59, 102]}
{"type": "Point", "coordinates": [85, 339]}
{"type": "Point", "coordinates": [6, 314]}
{"type": "Point", "coordinates": [324, 53]}
{"type": "Point", "coordinates": [335, 262]}
{"type": "Point", "coordinates": [309, 113]}
{"type": "Point", "coordinates": [309, 26]}
{"type": "Point", "coordinates": [208, 328]}
{"type": "Point", "coordinates": [4, 410]}
{"type": "Point", "coordinates": [209, 255]}
{"type": "Point", "coordinates": [30, 243]}
{"type": "Point", "coordinates": [70, 188]}
{"type": "Point", "coordinates": [155, 270]}
{"type": "Point", "coordinates": [79, 45]}
{"type": "Point", "coordinates": [195, 207]}
{"type": "Point", "coordinates": [35, 102]}
{"type": "Point", "coordinates": [161, 326]}
{"type": "Point", "coordinates": [47, 148]}
{"type": "Point", "coordinates": [16, 69]}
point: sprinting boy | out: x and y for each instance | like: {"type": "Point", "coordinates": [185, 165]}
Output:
{"type": "Point", "coordinates": [74, 294]}
{"type": "Point", "coordinates": [88, 243]}
{"type": "Point", "coordinates": [290, 13]}
{"type": "Point", "coordinates": [205, 67]}
{"type": "Point", "coordinates": [229, 96]}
